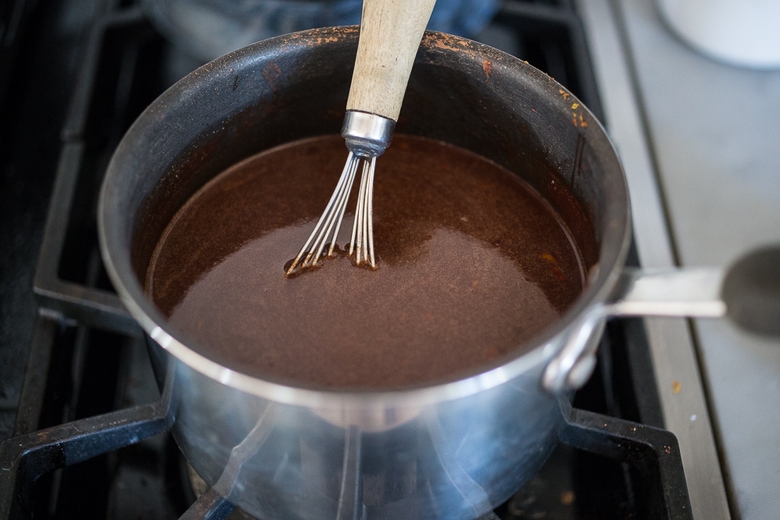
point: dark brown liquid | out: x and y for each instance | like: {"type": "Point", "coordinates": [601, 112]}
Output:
{"type": "Point", "coordinates": [472, 265]}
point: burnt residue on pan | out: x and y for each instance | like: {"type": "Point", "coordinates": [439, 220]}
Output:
{"type": "Point", "coordinates": [473, 264]}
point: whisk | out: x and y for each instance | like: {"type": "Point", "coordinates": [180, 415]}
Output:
{"type": "Point", "coordinates": [390, 34]}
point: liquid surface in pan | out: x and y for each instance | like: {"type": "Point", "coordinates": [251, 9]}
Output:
{"type": "Point", "coordinates": [473, 264]}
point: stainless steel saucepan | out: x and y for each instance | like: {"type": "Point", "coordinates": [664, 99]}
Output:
{"type": "Point", "coordinates": [451, 449]}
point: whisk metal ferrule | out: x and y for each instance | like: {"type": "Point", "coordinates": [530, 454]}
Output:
{"type": "Point", "coordinates": [367, 135]}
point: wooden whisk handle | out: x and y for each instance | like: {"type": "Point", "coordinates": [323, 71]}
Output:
{"type": "Point", "coordinates": [390, 34]}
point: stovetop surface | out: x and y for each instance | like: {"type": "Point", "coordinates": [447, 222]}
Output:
{"type": "Point", "coordinates": [714, 131]}
{"type": "Point", "coordinates": [70, 353]}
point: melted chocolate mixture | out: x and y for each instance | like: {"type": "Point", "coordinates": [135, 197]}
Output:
{"type": "Point", "coordinates": [472, 265]}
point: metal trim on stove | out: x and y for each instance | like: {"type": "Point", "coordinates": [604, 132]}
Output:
{"type": "Point", "coordinates": [683, 404]}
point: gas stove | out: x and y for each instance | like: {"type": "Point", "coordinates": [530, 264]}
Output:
{"type": "Point", "coordinates": [83, 424]}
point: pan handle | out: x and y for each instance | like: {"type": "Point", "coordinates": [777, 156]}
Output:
{"type": "Point", "coordinates": [748, 293]}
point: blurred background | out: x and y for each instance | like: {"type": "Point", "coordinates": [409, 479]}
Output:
{"type": "Point", "coordinates": [207, 29]}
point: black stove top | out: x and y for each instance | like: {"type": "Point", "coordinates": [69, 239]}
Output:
{"type": "Point", "coordinates": [84, 428]}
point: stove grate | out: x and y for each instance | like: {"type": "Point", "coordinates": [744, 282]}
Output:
{"type": "Point", "coordinates": [606, 467]}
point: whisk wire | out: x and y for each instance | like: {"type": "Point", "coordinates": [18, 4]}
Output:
{"type": "Point", "coordinates": [330, 220]}
{"type": "Point", "coordinates": [370, 219]}
{"type": "Point", "coordinates": [332, 230]}
{"type": "Point", "coordinates": [362, 242]}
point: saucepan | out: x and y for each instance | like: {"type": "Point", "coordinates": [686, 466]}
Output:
{"type": "Point", "coordinates": [449, 449]}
